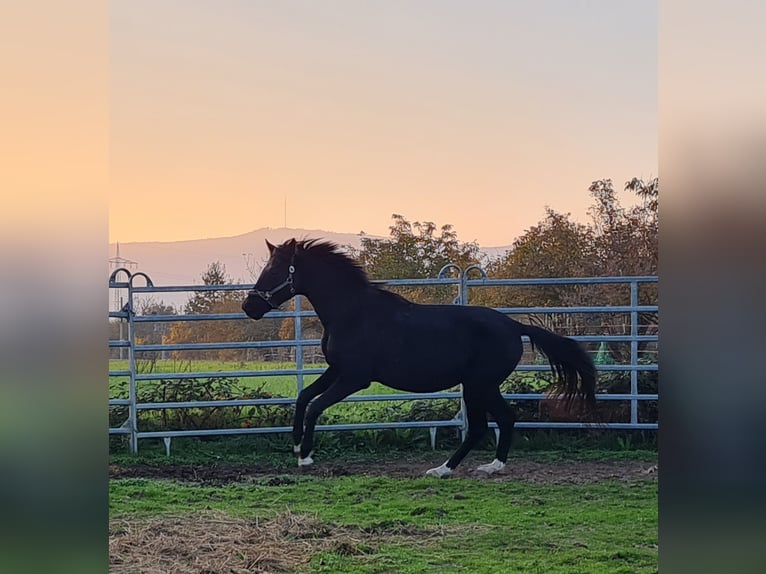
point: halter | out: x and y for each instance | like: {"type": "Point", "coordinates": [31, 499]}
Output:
{"type": "Point", "coordinates": [266, 295]}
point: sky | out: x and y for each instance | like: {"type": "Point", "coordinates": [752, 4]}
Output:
{"type": "Point", "coordinates": [477, 114]}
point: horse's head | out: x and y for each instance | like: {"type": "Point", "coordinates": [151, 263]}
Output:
{"type": "Point", "coordinates": [276, 284]}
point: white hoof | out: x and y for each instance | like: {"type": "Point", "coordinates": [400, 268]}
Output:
{"type": "Point", "coordinates": [296, 449]}
{"type": "Point", "coordinates": [442, 471]}
{"type": "Point", "coordinates": [308, 461]}
{"type": "Point", "coordinates": [492, 467]}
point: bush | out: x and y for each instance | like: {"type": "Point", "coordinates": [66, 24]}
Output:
{"type": "Point", "coordinates": [195, 418]}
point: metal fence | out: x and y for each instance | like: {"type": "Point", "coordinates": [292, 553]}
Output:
{"type": "Point", "coordinates": [134, 285]}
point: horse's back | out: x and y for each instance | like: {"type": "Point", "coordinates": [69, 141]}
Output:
{"type": "Point", "coordinates": [431, 347]}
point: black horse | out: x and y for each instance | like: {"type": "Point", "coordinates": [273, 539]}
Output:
{"type": "Point", "coordinates": [371, 334]}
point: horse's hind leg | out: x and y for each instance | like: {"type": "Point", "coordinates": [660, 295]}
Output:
{"type": "Point", "coordinates": [505, 419]}
{"type": "Point", "coordinates": [477, 426]}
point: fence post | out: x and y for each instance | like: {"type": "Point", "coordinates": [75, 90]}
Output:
{"type": "Point", "coordinates": [133, 394]}
{"type": "Point", "coordinates": [464, 301]}
{"type": "Point", "coordinates": [132, 411]}
{"type": "Point", "coordinates": [634, 352]}
{"type": "Point", "coordinates": [298, 344]}
{"type": "Point", "coordinates": [458, 301]}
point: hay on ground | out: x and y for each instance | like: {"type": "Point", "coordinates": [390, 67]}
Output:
{"type": "Point", "coordinates": [214, 543]}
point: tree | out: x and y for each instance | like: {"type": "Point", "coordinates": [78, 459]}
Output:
{"type": "Point", "coordinates": [415, 251]}
{"type": "Point", "coordinates": [311, 328]}
{"type": "Point", "coordinates": [218, 302]}
{"type": "Point", "coordinates": [152, 333]}
{"type": "Point", "coordinates": [145, 333]}
{"type": "Point", "coordinates": [626, 241]}
{"type": "Point", "coordinates": [555, 247]}
{"type": "Point", "coordinates": [617, 242]}
{"type": "Point", "coordinates": [204, 301]}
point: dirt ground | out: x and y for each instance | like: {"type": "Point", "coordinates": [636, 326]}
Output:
{"type": "Point", "coordinates": [553, 472]}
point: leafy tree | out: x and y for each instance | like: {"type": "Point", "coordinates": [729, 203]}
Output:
{"type": "Point", "coordinates": [416, 250]}
{"type": "Point", "coordinates": [555, 247]}
{"type": "Point", "coordinates": [618, 242]}
{"type": "Point", "coordinates": [626, 243]}
{"type": "Point", "coordinates": [145, 333]}
{"type": "Point", "coordinates": [215, 302]}
{"type": "Point", "coordinates": [151, 333]}
{"type": "Point", "coordinates": [311, 328]}
{"type": "Point", "coordinates": [205, 301]}
{"type": "Point", "coordinates": [626, 240]}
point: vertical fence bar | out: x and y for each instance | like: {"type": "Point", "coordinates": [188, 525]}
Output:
{"type": "Point", "coordinates": [634, 351]}
{"type": "Point", "coordinates": [462, 299]}
{"type": "Point", "coordinates": [299, 344]}
{"type": "Point", "coordinates": [132, 394]}
{"type": "Point", "coordinates": [122, 330]}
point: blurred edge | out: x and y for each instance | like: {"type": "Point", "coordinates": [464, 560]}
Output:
{"type": "Point", "coordinates": [713, 229]}
{"type": "Point", "coordinates": [54, 175]}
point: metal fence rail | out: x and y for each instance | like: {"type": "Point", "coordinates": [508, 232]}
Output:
{"type": "Point", "coordinates": [137, 284]}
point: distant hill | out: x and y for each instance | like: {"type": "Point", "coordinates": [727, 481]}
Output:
{"type": "Point", "coordinates": [184, 262]}
{"type": "Point", "coordinates": [495, 252]}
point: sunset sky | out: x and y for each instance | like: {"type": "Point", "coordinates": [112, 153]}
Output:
{"type": "Point", "coordinates": [477, 114]}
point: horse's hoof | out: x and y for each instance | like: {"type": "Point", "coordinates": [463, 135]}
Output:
{"type": "Point", "coordinates": [442, 471]}
{"type": "Point", "coordinates": [492, 467]}
{"type": "Point", "coordinates": [308, 461]}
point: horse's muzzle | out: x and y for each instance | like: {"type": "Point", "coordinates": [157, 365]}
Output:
{"type": "Point", "coordinates": [254, 307]}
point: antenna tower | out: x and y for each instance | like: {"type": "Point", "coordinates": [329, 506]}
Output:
{"type": "Point", "coordinates": [115, 263]}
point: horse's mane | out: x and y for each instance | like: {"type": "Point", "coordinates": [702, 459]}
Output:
{"type": "Point", "coordinates": [334, 255]}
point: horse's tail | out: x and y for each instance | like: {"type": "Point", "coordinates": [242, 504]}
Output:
{"type": "Point", "coordinates": [573, 368]}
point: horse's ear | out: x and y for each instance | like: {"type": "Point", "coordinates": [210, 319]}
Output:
{"type": "Point", "coordinates": [270, 246]}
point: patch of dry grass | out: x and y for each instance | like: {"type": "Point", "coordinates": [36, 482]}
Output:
{"type": "Point", "coordinates": [214, 543]}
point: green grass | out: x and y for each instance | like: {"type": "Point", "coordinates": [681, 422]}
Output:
{"type": "Point", "coordinates": [349, 412]}
{"type": "Point", "coordinates": [487, 526]}
{"type": "Point", "coordinates": [278, 385]}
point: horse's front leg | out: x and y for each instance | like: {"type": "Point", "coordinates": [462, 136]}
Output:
{"type": "Point", "coordinates": [342, 388]}
{"type": "Point", "coordinates": [305, 397]}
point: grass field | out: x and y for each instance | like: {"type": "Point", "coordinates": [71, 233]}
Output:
{"type": "Point", "coordinates": [268, 386]}
{"type": "Point", "coordinates": [593, 512]}
{"type": "Point", "coordinates": [261, 386]}
{"type": "Point", "coordinates": [278, 385]}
